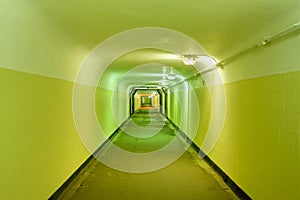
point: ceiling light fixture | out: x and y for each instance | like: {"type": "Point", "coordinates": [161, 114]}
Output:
{"type": "Point", "coordinates": [189, 59]}
{"type": "Point", "coordinates": [165, 83]}
{"type": "Point", "coordinates": [171, 76]}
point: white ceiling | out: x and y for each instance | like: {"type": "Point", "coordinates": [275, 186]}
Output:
{"type": "Point", "coordinates": [222, 27]}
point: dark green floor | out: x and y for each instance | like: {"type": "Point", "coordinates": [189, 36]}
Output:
{"type": "Point", "coordinates": [187, 178]}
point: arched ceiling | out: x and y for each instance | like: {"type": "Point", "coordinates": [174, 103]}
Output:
{"type": "Point", "coordinates": [220, 26]}
{"type": "Point", "coordinates": [144, 67]}
{"type": "Point", "coordinates": [54, 37]}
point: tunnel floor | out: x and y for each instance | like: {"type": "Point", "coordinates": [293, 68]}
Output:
{"type": "Point", "coordinates": [188, 177]}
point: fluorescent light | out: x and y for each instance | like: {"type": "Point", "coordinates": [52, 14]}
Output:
{"type": "Point", "coordinates": [189, 59]}
{"type": "Point", "coordinates": [208, 59]}
{"type": "Point", "coordinates": [171, 76]}
{"type": "Point", "coordinates": [165, 82]}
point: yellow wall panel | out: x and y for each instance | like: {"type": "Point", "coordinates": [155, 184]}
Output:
{"type": "Point", "coordinates": [39, 144]}
{"type": "Point", "coordinates": [259, 145]}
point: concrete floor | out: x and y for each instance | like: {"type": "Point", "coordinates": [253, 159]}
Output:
{"type": "Point", "coordinates": [189, 177]}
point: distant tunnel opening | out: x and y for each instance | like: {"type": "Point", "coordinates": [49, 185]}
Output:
{"type": "Point", "coordinates": [147, 99]}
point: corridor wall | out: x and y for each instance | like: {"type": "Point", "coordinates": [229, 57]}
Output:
{"type": "Point", "coordinates": [259, 144]}
{"type": "Point", "coordinates": [111, 109]}
{"type": "Point", "coordinates": [39, 144]}
{"type": "Point", "coordinates": [261, 135]}
{"type": "Point", "coordinates": [174, 108]}
{"type": "Point", "coordinates": [189, 107]}
{"type": "Point", "coordinates": [203, 106]}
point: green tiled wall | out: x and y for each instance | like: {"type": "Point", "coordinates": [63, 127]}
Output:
{"type": "Point", "coordinates": [174, 113]}
{"type": "Point", "coordinates": [204, 103]}
{"type": "Point", "coordinates": [104, 111]}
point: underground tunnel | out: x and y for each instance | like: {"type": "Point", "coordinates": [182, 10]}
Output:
{"type": "Point", "coordinates": [150, 100]}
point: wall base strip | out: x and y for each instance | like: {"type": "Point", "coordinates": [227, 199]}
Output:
{"type": "Point", "coordinates": [62, 188]}
{"type": "Point", "coordinates": [231, 184]}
